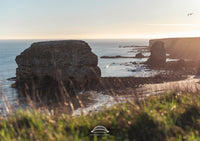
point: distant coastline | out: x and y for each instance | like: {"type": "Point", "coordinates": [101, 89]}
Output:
{"type": "Point", "coordinates": [188, 48]}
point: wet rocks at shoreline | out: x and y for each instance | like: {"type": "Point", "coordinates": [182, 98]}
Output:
{"type": "Point", "coordinates": [117, 56]}
{"type": "Point", "coordinates": [133, 46]}
{"type": "Point", "coordinates": [139, 55]}
{"type": "Point", "coordinates": [120, 83]}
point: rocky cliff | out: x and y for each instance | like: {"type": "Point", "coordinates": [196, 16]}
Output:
{"type": "Point", "coordinates": [188, 48]}
{"type": "Point", "coordinates": [70, 62]}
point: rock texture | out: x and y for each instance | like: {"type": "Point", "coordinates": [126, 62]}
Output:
{"type": "Point", "coordinates": [139, 55]}
{"type": "Point", "coordinates": [158, 55]}
{"type": "Point", "coordinates": [198, 68]}
{"type": "Point", "coordinates": [188, 48]}
{"type": "Point", "coordinates": [70, 62]}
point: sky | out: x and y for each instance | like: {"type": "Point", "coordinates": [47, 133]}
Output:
{"type": "Point", "coordinates": [98, 19]}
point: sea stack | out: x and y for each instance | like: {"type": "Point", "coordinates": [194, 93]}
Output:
{"type": "Point", "coordinates": [70, 62]}
{"type": "Point", "coordinates": [158, 55]}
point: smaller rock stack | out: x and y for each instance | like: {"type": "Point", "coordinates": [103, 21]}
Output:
{"type": "Point", "coordinates": [139, 55]}
{"type": "Point", "coordinates": [158, 55]}
{"type": "Point", "coordinates": [70, 62]}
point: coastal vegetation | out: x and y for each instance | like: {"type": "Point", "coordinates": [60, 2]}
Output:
{"type": "Point", "coordinates": [171, 116]}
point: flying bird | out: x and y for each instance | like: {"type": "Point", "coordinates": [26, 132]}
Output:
{"type": "Point", "coordinates": [190, 14]}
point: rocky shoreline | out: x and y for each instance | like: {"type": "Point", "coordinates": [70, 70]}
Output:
{"type": "Point", "coordinates": [80, 79]}
{"type": "Point", "coordinates": [57, 68]}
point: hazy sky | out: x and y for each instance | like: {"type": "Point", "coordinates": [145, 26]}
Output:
{"type": "Point", "coordinates": [64, 19]}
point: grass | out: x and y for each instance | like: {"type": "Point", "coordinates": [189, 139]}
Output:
{"type": "Point", "coordinates": [172, 116]}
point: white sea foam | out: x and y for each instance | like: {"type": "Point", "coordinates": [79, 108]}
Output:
{"type": "Point", "coordinates": [101, 101]}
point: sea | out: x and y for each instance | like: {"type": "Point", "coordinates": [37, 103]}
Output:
{"type": "Point", "coordinates": [110, 67]}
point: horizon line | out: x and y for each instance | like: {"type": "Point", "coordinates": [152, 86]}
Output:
{"type": "Point", "coordinates": [98, 38]}
{"type": "Point", "coordinates": [72, 38]}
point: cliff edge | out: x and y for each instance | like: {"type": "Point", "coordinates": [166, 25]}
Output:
{"type": "Point", "coordinates": [187, 48]}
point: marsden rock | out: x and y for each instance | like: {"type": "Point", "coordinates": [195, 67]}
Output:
{"type": "Point", "coordinates": [70, 62]}
{"type": "Point", "coordinates": [158, 55]}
